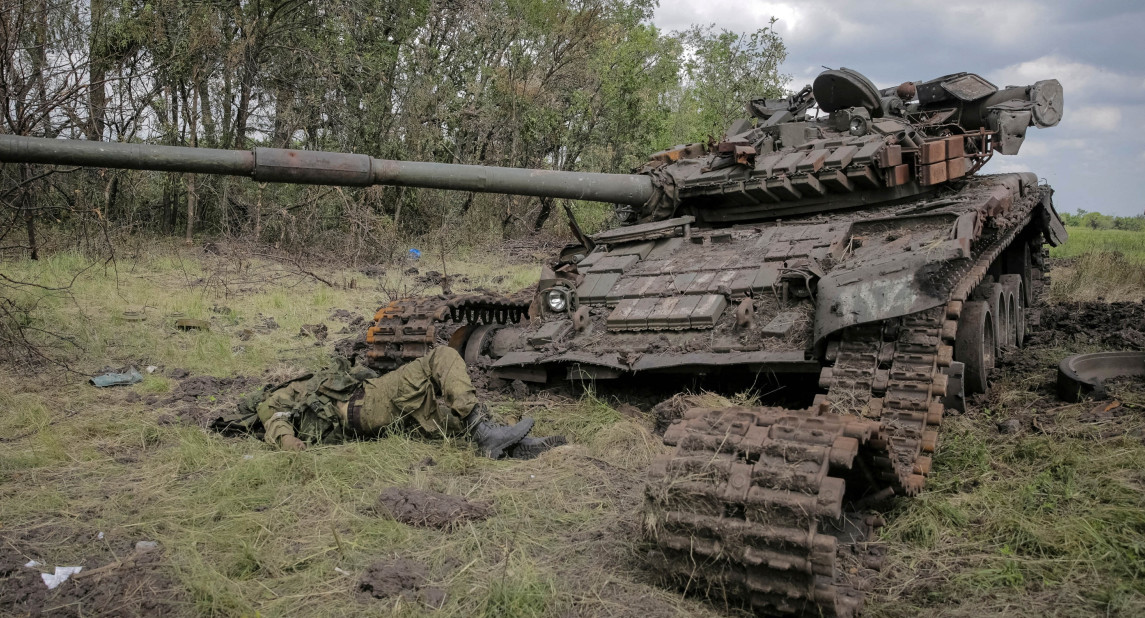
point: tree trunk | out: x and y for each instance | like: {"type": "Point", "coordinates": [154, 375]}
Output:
{"type": "Point", "coordinates": [29, 215]}
{"type": "Point", "coordinates": [39, 56]}
{"type": "Point", "coordinates": [192, 205]}
{"type": "Point", "coordinates": [543, 215]}
{"type": "Point", "coordinates": [97, 73]}
{"type": "Point", "coordinates": [109, 195]}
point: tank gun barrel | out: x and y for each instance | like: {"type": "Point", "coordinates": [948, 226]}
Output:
{"type": "Point", "coordinates": [330, 168]}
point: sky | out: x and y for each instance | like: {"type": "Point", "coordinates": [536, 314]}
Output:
{"type": "Point", "coordinates": [1094, 158]}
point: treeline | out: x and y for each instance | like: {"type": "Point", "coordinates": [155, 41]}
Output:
{"type": "Point", "coordinates": [585, 85]}
{"type": "Point", "coordinates": [1098, 221]}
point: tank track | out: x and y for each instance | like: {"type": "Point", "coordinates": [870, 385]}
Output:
{"type": "Point", "coordinates": [407, 329]}
{"type": "Point", "coordinates": [749, 504]}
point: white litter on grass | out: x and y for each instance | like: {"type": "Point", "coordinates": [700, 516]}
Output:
{"type": "Point", "coordinates": [51, 580]}
{"type": "Point", "coordinates": [151, 368]}
{"type": "Point", "coordinates": [99, 537]}
{"type": "Point", "coordinates": [339, 570]}
{"type": "Point", "coordinates": [146, 546]}
{"type": "Point", "coordinates": [248, 456]}
{"type": "Point", "coordinates": [32, 564]}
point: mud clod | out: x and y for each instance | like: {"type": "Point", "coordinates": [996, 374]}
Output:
{"type": "Point", "coordinates": [520, 391]}
{"type": "Point", "coordinates": [1118, 325]}
{"type": "Point", "coordinates": [318, 331]}
{"type": "Point", "coordinates": [430, 509]}
{"type": "Point", "coordinates": [1010, 426]}
{"type": "Point", "coordinates": [386, 579]}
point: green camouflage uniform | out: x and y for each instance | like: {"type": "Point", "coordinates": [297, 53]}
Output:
{"type": "Point", "coordinates": [315, 408]}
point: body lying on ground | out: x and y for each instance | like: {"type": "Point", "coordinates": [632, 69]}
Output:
{"type": "Point", "coordinates": [343, 402]}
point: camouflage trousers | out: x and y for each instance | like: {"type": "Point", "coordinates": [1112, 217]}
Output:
{"type": "Point", "coordinates": [317, 409]}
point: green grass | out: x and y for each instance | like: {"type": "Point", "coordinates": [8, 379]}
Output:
{"type": "Point", "coordinates": [1099, 264]}
{"type": "Point", "coordinates": [1084, 240]}
{"type": "Point", "coordinates": [1044, 522]}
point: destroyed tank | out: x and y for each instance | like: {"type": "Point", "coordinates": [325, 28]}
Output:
{"type": "Point", "coordinates": [842, 233]}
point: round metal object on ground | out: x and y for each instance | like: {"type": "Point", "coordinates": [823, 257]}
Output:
{"type": "Point", "coordinates": [1083, 375]}
{"type": "Point", "coordinates": [990, 291]}
{"type": "Point", "coordinates": [1013, 287]}
{"type": "Point", "coordinates": [479, 342]}
{"type": "Point", "coordinates": [975, 345]}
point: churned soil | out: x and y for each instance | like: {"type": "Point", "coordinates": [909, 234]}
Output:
{"type": "Point", "coordinates": [133, 586]}
{"type": "Point", "coordinates": [196, 400]}
{"type": "Point", "coordinates": [1117, 326]}
{"type": "Point", "coordinates": [430, 509]}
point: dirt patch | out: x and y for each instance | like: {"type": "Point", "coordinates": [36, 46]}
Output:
{"type": "Point", "coordinates": [200, 397]}
{"type": "Point", "coordinates": [399, 578]}
{"type": "Point", "coordinates": [318, 331]}
{"type": "Point", "coordinates": [134, 586]}
{"type": "Point", "coordinates": [353, 347]}
{"type": "Point", "coordinates": [1117, 326]}
{"type": "Point", "coordinates": [430, 509]}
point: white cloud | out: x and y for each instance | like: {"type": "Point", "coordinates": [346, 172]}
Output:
{"type": "Point", "coordinates": [1095, 117]}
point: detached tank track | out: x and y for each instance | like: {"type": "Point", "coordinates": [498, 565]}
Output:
{"type": "Point", "coordinates": [407, 329]}
{"type": "Point", "coordinates": [749, 504]}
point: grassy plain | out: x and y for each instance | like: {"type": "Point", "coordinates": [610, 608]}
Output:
{"type": "Point", "coordinates": [1046, 521]}
{"type": "Point", "coordinates": [1099, 264]}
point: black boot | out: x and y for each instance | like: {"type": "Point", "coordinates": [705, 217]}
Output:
{"type": "Point", "coordinates": [493, 439]}
{"type": "Point", "coordinates": [528, 448]}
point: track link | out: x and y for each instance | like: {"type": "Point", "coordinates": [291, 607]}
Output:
{"type": "Point", "coordinates": [407, 329]}
{"type": "Point", "coordinates": [738, 508]}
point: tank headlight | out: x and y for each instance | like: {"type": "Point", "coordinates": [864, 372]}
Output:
{"type": "Point", "coordinates": [858, 126]}
{"type": "Point", "coordinates": [557, 300]}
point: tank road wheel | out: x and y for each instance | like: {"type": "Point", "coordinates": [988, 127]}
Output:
{"type": "Point", "coordinates": [1018, 262]}
{"type": "Point", "coordinates": [975, 344]}
{"type": "Point", "coordinates": [990, 291]}
{"type": "Point", "coordinates": [479, 342]}
{"type": "Point", "coordinates": [1015, 289]}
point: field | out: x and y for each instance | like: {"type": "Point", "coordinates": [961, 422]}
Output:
{"type": "Point", "coordinates": [1048, 519]}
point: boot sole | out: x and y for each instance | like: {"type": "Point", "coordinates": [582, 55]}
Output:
{"type": "Point", "coordinates": [498, 450]}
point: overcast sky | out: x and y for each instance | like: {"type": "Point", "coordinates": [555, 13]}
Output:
{"type": "Point", "coordinates": [1094, 159]}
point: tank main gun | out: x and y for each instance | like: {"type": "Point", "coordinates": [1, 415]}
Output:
{"type": "Point", "coordinates": [837, 144]}
{"type": "Point", "coordinates": [330, 168]}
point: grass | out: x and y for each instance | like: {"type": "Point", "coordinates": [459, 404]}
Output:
{"type": "Point", "coordinates": [1099, 265]}
{"type": "Point", "coordinates": [1084, 241]}
{"type": "Point", "coordinates": [249, 531]}
{"type": "Point", "coordinates": [1048, 521]}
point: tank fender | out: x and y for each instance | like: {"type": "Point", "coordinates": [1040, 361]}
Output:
{"type": "Point", "coordinates": [1051, 224]}
{"type": "Point", "coordinates": [897, 286]}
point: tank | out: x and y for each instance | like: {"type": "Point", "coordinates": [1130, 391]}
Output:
{"type": "Point", "coordinates": [841, 234]}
